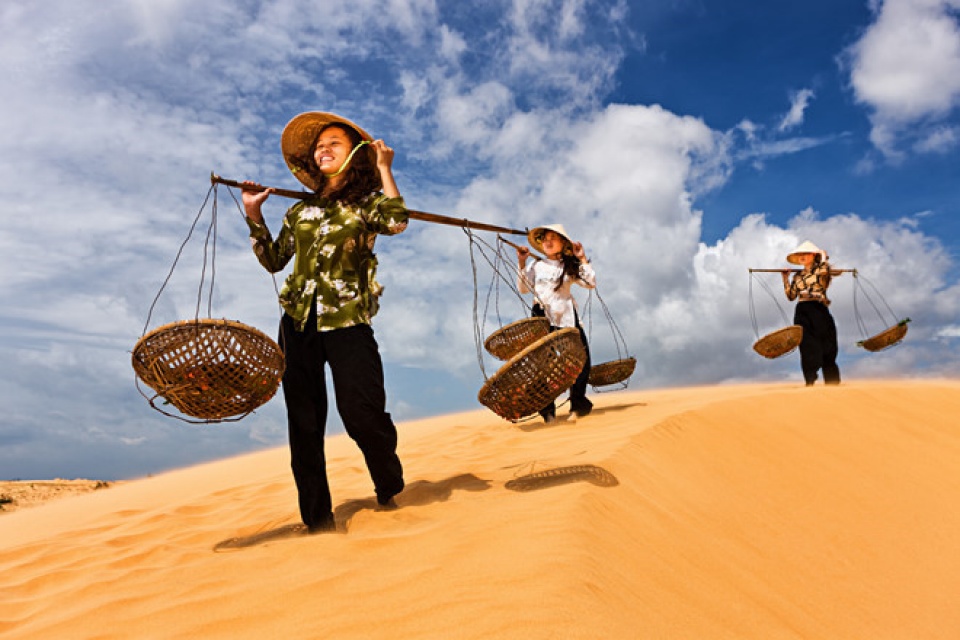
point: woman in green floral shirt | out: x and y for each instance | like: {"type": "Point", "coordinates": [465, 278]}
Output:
{"type": "Point", "coordinates": [330, 298]}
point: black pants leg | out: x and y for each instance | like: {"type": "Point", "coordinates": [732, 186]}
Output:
{"type": "Point", "coordinates": [357, 370]}
{"type": "Point", "coordinates": [305, 394]}
{"type": "Point", "coordinates": [579, 403]}
{"type": "Point", "coordinates": [354, 360]}
{"type": "Point", "coordinates": [818, 348]}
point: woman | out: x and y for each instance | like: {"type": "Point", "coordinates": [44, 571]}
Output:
{"type": "Point", "coordinates": [818, 347]}
{"type": "Point", "coordinates": [550, 281]}
{"type": "Point", "coordinates": [330, 298]}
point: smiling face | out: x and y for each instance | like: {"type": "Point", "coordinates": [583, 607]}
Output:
{"type": "Point", "coordinates": [333, 147]}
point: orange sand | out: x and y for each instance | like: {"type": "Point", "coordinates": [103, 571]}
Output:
{"type": "Point", "coordinates": [747, 511]}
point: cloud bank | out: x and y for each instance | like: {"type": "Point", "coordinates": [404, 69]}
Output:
{"type": "Point", "coordinates": [116, 114]}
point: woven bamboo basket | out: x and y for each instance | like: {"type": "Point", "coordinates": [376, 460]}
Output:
{"type": "Point", "coordinates": [534, 378]}
{"type": "Point", "coordinates": [209, 369]}
{"type": "Point", "coordinates": [886, 338]}
{"type": "Point", "coordinates": [780, 342]}
{"type": "Point", "coordinates": [511, 339]}
{"type": "Point", "coordinates": [613, 372]}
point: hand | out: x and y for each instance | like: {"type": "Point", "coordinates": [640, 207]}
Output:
{"type": "Point", "coordinates": [384, 154]}
{"type": "Point", "coordinates": [384, 164]}
{"type": "Point", "coordinates": [578, 251]}
{"type": "Point", "coordinates": [522, 254]}
{"type": "Point", "coordinates": [253, 199]}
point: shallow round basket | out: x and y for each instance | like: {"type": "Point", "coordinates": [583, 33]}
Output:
{"type": "Point", "coordinates": [534, 378]}
{"type": "Point", "coordinates": [509, 340]}
{"type": "Point", "coordinates": [209, 369]}
{"type": "Point", "coordinates": [613, 372]}
{"type": "Point", "coordinates": [886, 338]}
{"type": "Point", "coordinates": [780, 342]}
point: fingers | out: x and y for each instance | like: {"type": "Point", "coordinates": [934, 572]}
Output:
{"type": "Point", "coordinates": [384, 153]}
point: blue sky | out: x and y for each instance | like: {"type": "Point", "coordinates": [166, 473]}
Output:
{"type": "Point", "coordinates": [681, 142]}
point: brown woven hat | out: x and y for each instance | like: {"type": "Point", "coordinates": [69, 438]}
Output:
{"type": "Point", "coordinates": [300, 135]}
{"type": "Point", "coordinates": [535, 236]}
{"type": "Point", "coordinates": [806, 247]}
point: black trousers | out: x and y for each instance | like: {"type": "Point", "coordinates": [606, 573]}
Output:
{"type": "Point", "coordinates": [578, 392]}
{"type": "Point", "coordinates": [354, 359]}
{"type": "Point", "coordinates": [818, 348]}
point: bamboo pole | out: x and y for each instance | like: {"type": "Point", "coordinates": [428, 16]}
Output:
{"type": "Point", "coordinates": [833, 272]}
{"type": "Point", "coordinates": [416, 215]}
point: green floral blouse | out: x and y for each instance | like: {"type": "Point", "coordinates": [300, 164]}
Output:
{"type": "Point", "coordinates": [332, 247]}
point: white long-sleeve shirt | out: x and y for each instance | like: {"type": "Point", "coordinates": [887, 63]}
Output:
{"type": "Point", "coordinates": [541, 276]}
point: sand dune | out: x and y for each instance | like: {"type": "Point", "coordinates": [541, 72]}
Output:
{"type": "Point", "coordinates": [744, 511]}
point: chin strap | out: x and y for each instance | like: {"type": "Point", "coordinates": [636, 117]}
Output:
{"type": "Point", "coordinates": [346, 163]}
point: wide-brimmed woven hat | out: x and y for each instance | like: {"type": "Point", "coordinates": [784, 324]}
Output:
{"type": "Point", "coordinates": [300, 135]}
{"type": "Point", "coordinates": [535, 236]}
{"type": "Point", "coordinates": [806, 247]}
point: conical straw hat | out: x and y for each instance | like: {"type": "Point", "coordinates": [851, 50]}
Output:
{"type": "Point", "coordinates": [535, 236]}
{"type": "Point", "coordinates": [806, 247]}
{"type": "Point", "coordinates": [300, 136]}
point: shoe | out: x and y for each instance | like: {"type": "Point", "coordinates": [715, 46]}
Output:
{"type": "Point", "coordinates": [324, 526]}
{"type": "Point", "coordinates": [549, 414]}
{"type": "Point", "coordinates": [582, 410]}
{"type": "Point", "coordinates": [387, 505]}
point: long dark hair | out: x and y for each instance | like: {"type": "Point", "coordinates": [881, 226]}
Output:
{"type": "Point", "coordinates": [571, 265]}
{"type": "Point", "coordinates": [361, 177]}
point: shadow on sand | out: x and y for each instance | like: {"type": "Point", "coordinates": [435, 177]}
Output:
{"type": "Point", "coordinates": [415, 494]}
{"type": "Point", "coordinates": [536, 423]}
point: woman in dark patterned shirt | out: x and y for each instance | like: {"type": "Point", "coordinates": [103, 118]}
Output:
{"type": "Point", "coordinates": [330, 298]}
{"type": "Point", "coordinates": [818, 347]}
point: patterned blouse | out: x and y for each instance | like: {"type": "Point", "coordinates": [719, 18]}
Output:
{"type": "Point", "coordinates": [810, 285]}
{"type": "Point", "coordinates": [541, 277]}
{"type": "Point", "coordinates": [332, 247]}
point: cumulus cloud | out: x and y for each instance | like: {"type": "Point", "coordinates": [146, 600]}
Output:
{"type": "Point", "coordinates": [114, 117]}
{"type": "Point", "coordinates": [906, 70]}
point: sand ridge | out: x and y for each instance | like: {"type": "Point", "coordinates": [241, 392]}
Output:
{"type": "Point", "coordinates": [733, 515]}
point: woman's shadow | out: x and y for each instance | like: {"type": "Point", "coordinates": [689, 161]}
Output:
{"type": "Point", "coordinates": [416, 494]}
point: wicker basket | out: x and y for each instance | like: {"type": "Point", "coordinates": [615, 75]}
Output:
{"type": "Point", "coordinates": [209, 369]}
{"type": "Point", "coordinates": [613, 372]}
{"type": "Point", "coordinates": [780, 342]}
{"type": "Point", "coordinates": [534, 378]}
{"type": "Point", "coordinates": [886, 338]}
{"type": "Point", "coordinates": [508, 341]}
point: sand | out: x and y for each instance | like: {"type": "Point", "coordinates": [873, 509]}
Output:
{"type": "Point", "coordinates": [741, 511]}
{"type": "Point", "coordinates": [20, 494]}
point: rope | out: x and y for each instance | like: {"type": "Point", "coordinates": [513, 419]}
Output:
{"type": "Point", "coordinates": [858, 285]}
{"type": "Point", "coordinates": [177, 258]}
{"type": "Point", "coordinates": [753, 311]}
{"type": "Point", "coordinates": [209, 255]}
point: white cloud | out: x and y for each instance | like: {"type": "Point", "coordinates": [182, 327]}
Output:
{"type": "Point", "coordinates": [112, 120]}
{"type": "Point", "coordinates": [798, 106]}
{"type": "Point", "coordinates": [906, 68]}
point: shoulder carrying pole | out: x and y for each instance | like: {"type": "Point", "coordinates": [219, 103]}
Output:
{"type": "Point", "coordinates": [833, 272]}
{"type": "Point", "coordinates": [416, 215]}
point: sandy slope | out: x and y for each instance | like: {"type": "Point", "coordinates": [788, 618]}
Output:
{"type": "Point", "coordinates": [747, 511]}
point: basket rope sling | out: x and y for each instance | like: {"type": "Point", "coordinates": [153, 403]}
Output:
{"type": "Point", "coordinates": [776, 343]}
{"type": "Point", "coordinates": [210, 370]}
{"type": "Point", "coordinates": [612, 372]}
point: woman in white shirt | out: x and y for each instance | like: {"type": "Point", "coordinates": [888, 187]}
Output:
{"type": "Point", "coordinates": [550, 280]}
